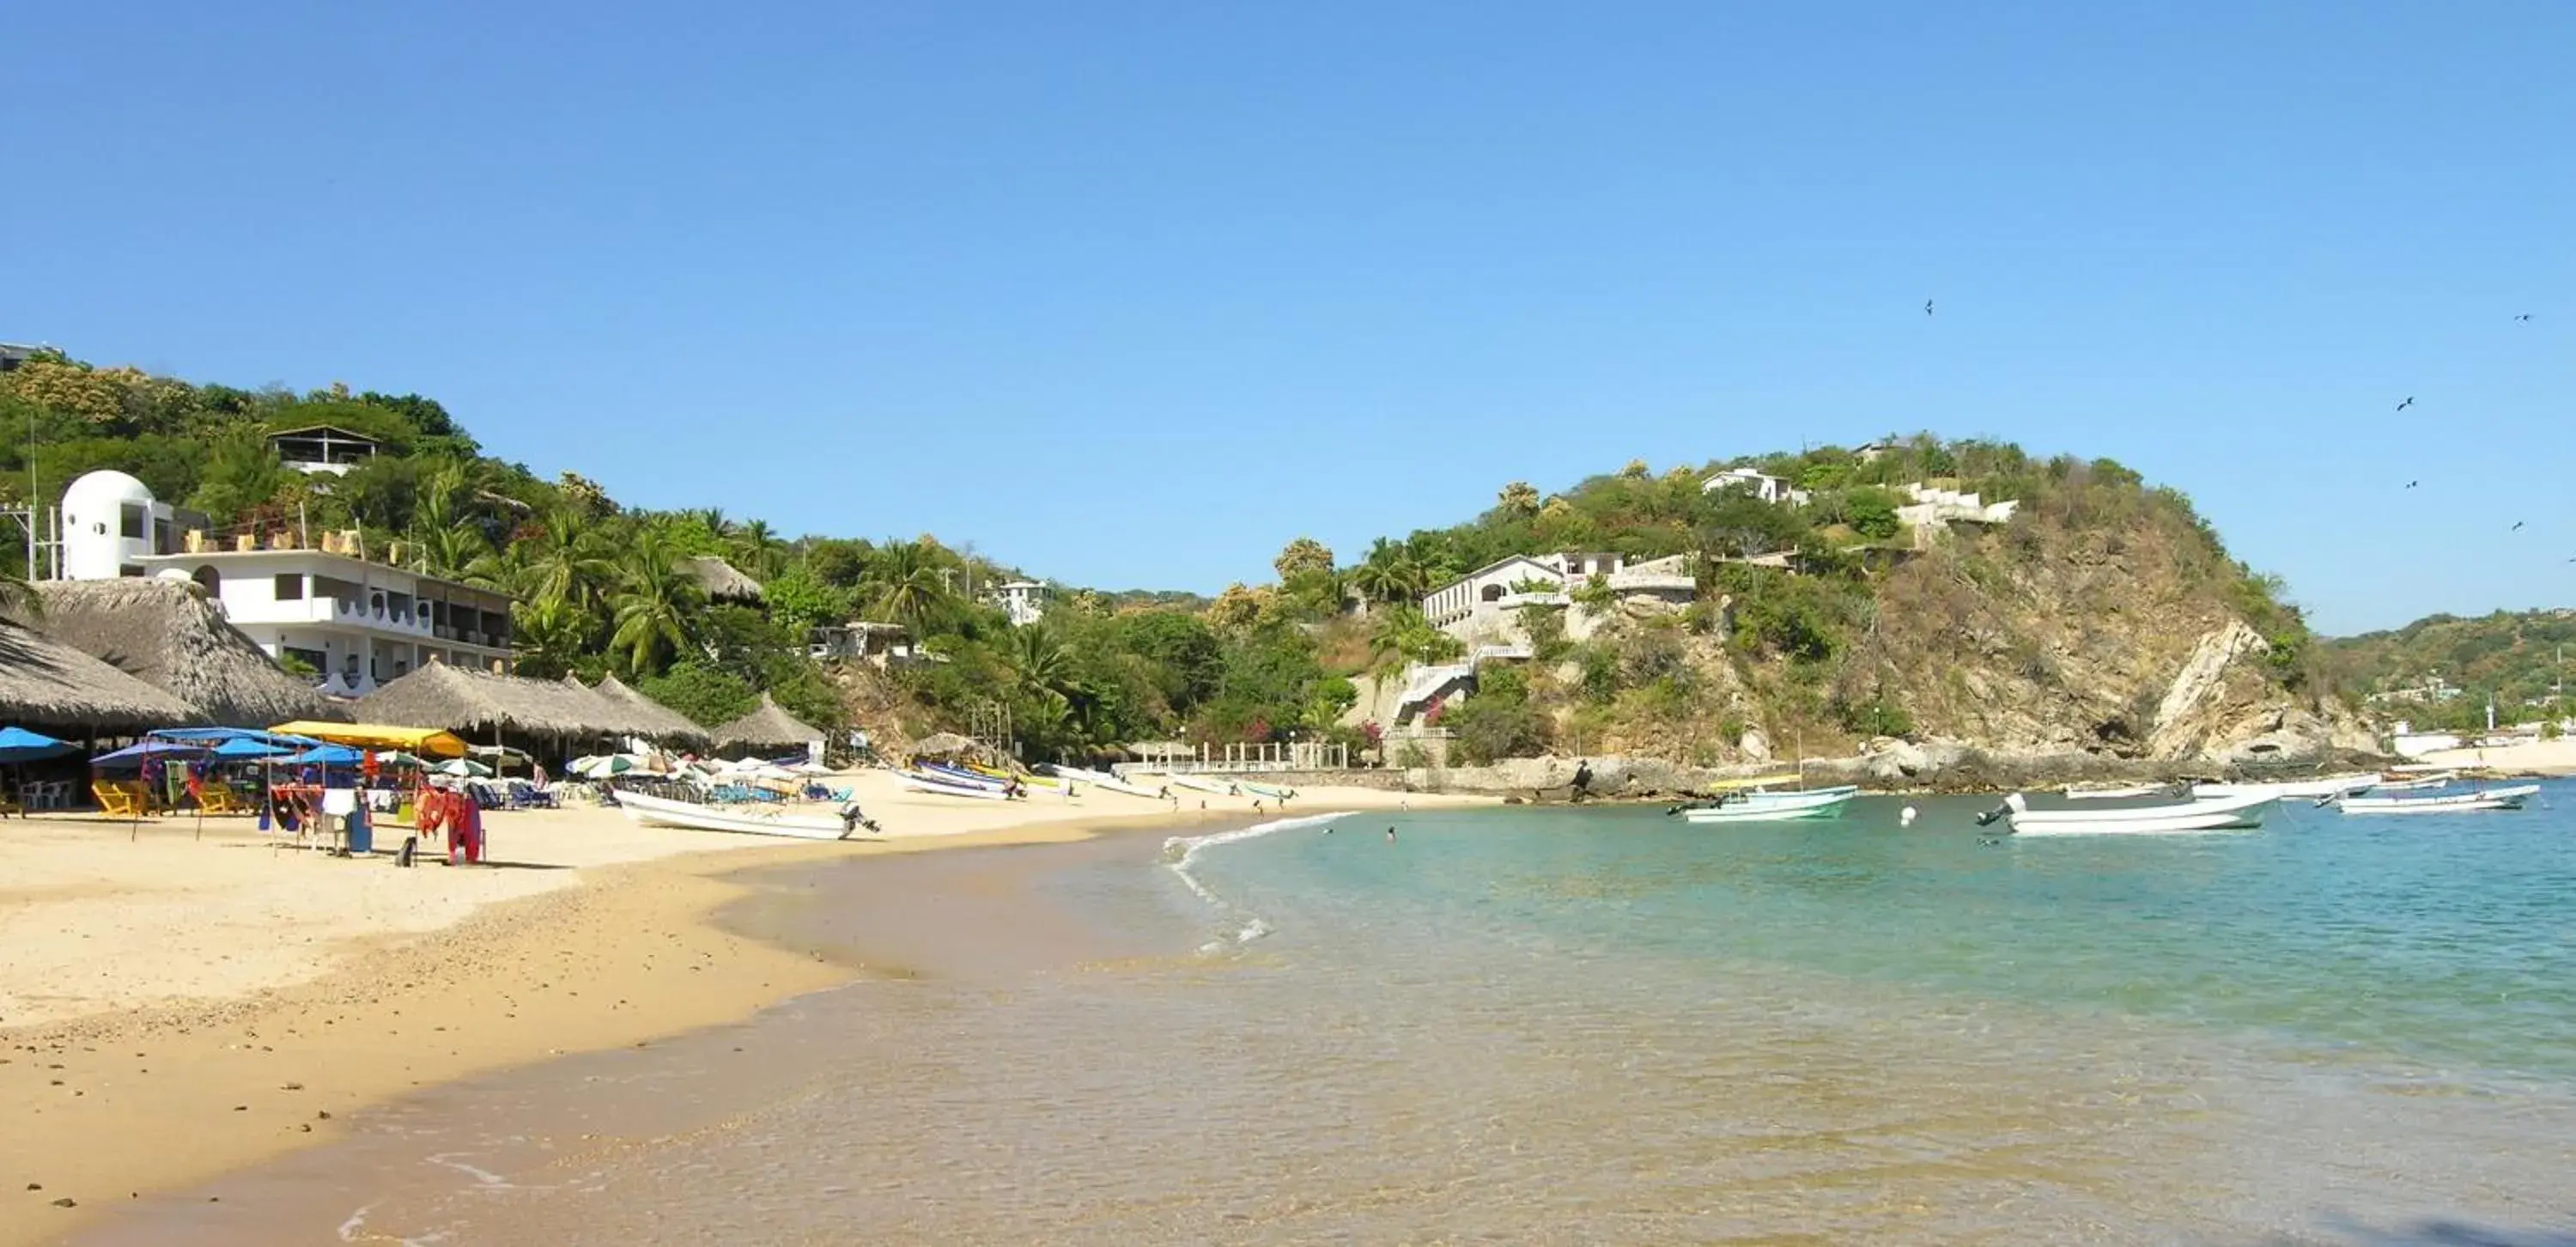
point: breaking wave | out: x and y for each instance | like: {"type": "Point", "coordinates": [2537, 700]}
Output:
{"type": "Point", "coordinates": [1180, 853]}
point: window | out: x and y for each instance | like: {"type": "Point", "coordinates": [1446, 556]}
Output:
{"type": "Point", "coordinates": [132, 570]}
{"type": "Point", "coordinates": [132, 524]}
{"type": "Point", "coordinates": [290, 586]}
{"type": "Point", "coordinates": [1491, 593]}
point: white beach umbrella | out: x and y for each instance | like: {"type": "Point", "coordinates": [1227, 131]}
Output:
{"type": "Point", "coordinates": [464, 768]}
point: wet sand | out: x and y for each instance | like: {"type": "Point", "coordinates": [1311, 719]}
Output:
{"type": "Point", "coordinates": [203, 1006]}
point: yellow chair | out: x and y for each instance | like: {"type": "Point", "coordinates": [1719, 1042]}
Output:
{"type": "Point", "coordinates": [216, 798]}
{"type": "Point", "coordinates": [116, 800]}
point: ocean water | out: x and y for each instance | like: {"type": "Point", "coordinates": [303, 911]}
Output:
{"type": "Point", "coordinates": [1573, 1026]}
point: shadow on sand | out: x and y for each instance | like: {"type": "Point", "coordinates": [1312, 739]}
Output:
{"type": "Point", "coordinates": [2434, 1232]}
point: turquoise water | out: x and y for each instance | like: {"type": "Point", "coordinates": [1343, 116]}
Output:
{"type": "Point", "coordinates": [1569, 1026]}
{"type": "Point", "coordinates": [2448, 940]}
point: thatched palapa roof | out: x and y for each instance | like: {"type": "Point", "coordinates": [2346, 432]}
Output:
{"type": "Point", "coordinates": [46, 685]}
{"type": "Point", "coordinates": [473, 703]}
{"type": "Point", "coordinates": [765, 726]}
{"type": "Point", "coordinates": [721, 581]}
{"type": "Point", "coordinates": [663, 722]}
{"type": "Point", "coordinates": [167, 634]}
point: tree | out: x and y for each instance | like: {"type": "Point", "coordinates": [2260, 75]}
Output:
{"type": "Point", "coordinates": [1872, 513]}
{"type": "Point", "coordinates": [909, 588]}
{"type": "Point", "coordinates": [242, 471]}
{"type": "Point", "coordinates": [654, 601]}
{"type": "Point", "coordinates": [549, 637]}
{"type": "Point", "coordinates": [759, 548]}
{"type": "Point", "coordinates": [1302, 556]}
{"type": "Point", "coordinates": [1237, 608]}
{"type": "Point", "coordinates": [800, 601]}
{"type": "Point", "coordinates": [706, 695]}
{"type": "Point", "coordinates": [1518, 500]}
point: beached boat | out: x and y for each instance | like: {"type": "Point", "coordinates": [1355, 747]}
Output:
{"type": "Point", "coordinates": [959, 774]}
{"type": "Point", "coordinates": [1105, 780]}
{"type": "Point", "coordinates": [750, 819]}
{"type": "Point", "coordinates": [2211, 814]}
{"type": "Point", "coordinates": [1770, 807]}
{"type": "Point", "coordinates": [2290, 789]}
{"type": "Point", "coordinates": [1203, 783]}
{"type": "Point", "coordinates": [1038, 781]}
{"type": "Point", "coordinates": [1272, 791]}
{"type": "Point", "coordinates": [948, 786]}
{"type": "Point", "coordinates": [2455, 803]}
{"type": "Point", "coordinates": [2115, 794]}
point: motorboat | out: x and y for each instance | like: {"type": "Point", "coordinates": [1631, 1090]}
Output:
{"type": "Point", "coordinates": [2199, 814]}
{"type": "Point", "coordinates": [2291, 789]}
{"type": "Point", "coordinates": [1202, 783]}
{"type": "Point", "coordinates": [1106, 781]}
{"type": "Point", "coordinates": [2439, 779]}
{"type": "Point", "coordinates": [1272, 791]}
{"type": "Point", "coordinates": [2455, 803]}
{"type": "Point", "coordinates": [758, 819]}
{"type": "Point", "coordinates": [2120, 793]}
{"type": "Point", "coordinates": [950, 786]}
{"type": "Point", "coordinates": [1772, 807]}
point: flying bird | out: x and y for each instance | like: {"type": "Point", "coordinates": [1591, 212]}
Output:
{"type": "Point", "coordinates": [2517, 527]}
{"type": "Point", "coordinates": [2524, 316]}
{"type": "Point", "coordinates": [1927, 307]}
{"type": "Point", "coordinates": [2410, 401]}
{"type": "Point", "coordinates": [2413, 484]}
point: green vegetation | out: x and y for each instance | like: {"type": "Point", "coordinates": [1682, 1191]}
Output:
{"type": "Point", "coordinates": [2513, 657]}
{"type": "Point", "coordinates": [1790, 633]}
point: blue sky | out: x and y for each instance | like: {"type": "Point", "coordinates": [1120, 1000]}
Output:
{"type": "Point", "coordinates": [1131, 294]}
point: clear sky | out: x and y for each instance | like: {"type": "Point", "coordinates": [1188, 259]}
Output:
{"type": "Point", "coordinates": [1131, 294]}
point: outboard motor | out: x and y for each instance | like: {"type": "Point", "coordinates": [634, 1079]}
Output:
{"type": "Point", "coordinates": [2013, 804]}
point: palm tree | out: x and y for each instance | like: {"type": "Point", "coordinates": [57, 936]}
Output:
{"type": "Point", "coordinates": [568, 567]}
{"type": "Point", "coordinates": [759, 548]}
{"type": "Point", "coordinates": [654, 602]}
{"type": "Point", "coordinates": [1390, 574]}
{"type": "Point", "coordinates": [908, 587]}
{"type": "Point", "coordinates": [1041, 662]}
{"type": "Point", "coordinates": [550, 636]}
{"type": "Point", "coordinates": [449, 551]}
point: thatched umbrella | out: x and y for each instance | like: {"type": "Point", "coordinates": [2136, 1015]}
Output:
{"type": "Point", "coordinates": [480, 704]}
{"type": "Point", "coordinates": [168, 635]}
{"type": "Point", "coordinates": [661, 722]}
{"type": "Point", "coordinates": [721, 581]}
{"type": "Point", "coordinates": [52, 685]}
{"type": "Point", "coordinates": [766, 727]}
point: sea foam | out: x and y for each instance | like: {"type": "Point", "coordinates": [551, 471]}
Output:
{"type": "Point", "coordinates": [1180, 853]}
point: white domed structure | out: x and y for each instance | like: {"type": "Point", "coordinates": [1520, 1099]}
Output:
{"type": "Point", "coordinates": [107, 524]}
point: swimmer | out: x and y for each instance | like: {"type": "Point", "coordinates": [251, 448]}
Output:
{"type": "Point", "coordinates": [1390, 835]}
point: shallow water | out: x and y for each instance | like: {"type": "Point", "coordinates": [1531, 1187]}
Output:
{"type": "Point", "coordinates": [1570, 1026]}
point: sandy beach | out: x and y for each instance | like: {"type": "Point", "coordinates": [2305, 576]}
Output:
{"type": "Point", "coordinates": [2540, 757]}
{"type": "Point", "coordinates": [173, 1006]}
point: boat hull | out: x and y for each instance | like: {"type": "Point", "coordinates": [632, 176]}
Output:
{"type": "Point", "coordinates": [664, 812]}
{"type": "Point", "coordinates": [950, 788]}
{"type": "Point", "coordinates": [2458, 803]}
{"type": "Point", "coordinates": [2115, 794]}
{"type": "Point", "coordinates": [1214, 787]}
{"type": "Point", "coordinates": [2219, 814]}
{"type": "Point", "coordinates": [2292, 790]}
{"type": "Point", "coordinates": [1105, 781]}
{"type": "Point", "coordinates": [1815, 805]}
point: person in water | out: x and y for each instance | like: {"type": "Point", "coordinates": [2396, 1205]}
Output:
{"type": "Point", "coordinates": [1390, 835]}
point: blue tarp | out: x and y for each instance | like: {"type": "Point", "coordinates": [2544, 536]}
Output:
{"type": "Point", "coordinates": [243, 747]}
{"type": "Point", "coordinates": [137, 755]}
{"type": "Point", "coordinates": [17, 744]}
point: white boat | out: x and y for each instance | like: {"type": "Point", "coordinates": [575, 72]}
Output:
{"type": "Point", "coordinates": [2115, 794]}
{"type": "Point", "coordinates": [1201, 783]}
{"type": "Point", "coordinates": [1272, 791]}
{"type": "Point", "coordinates": [1773, 807]}
{"type": "Point", "coordinates": [2439, 779]}
{"type": "Point", "coordinates": [2456, 803]}
{"type": "Point", "coordinates": [2212, 814]}
{"type": "Point", "coordinates": [753, 819]}
{"type": "Point", "coordinates": [2291, 789]}
{"type": "Point", "coordinates": [1106, 781]}
{"type": "Point", "coordinates": [917, 781]}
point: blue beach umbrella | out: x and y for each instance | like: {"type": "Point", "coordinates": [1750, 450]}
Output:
{"type": "Point", "coordinates": [17, 744]}
{"type": "Point", "coordinates": [243, 747]}
{"type": "Point", "coordinates": [325, 755]}
{"type": "Point", "coordinates": [134, 756]}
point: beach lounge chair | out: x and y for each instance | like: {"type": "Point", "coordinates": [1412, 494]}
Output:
{"type": "Point", "coordinates": [221, 799]}
{"type": "Point", "coordinates": [116, 800]}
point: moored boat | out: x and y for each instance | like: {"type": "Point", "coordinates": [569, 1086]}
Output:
{"type": "Point", "coordinates": [2439, 779]}
{"type": "Point", "coordinates": [2291, 789]}
{"type": "Point", "coordinates": [1768, 807]}
{"type": "Point", "coordinates": [749, 819]}
{"type": "Point", "coordinates": [948, 786]}
{"type": "Point", "coordinates": [2121, 792]}
{"type": "Point", "coordinates": [1272, 791]}
{"type": "Point", "coordinates": [2455, 803]}
{"type": "Point", "coordinates": [1203, 783]}
{"type": "Point", "coordinates": [2210, 814]}
{"type": "Point", "coordinates": [1105, 780]}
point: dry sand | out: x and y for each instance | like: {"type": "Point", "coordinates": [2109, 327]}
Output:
{"type": "Point", "coordinates": [173, 1007]}
{"type": "Point", "coordinates": [2540, 757]}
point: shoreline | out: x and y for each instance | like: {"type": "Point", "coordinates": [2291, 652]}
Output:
{"type": "Point", "coordinates": [237, 1064]}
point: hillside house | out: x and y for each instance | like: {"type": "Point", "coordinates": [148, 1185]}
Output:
{"type": "Point", "coordinates": [322, 449]}
{"type": "Point", "coordinates": [1934, 508]}
{"type": "Point", "coordinates": [1772, 489]}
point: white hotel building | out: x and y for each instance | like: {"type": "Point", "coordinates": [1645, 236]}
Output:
{"type": "Point", "coordinates": [358, 622]}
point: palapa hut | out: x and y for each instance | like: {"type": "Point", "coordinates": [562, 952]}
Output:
{"type": "Point", "coordinates": [766, 728]}
{"type": "Point", "coordinates": [549, 718]}
{"type": "Point", "coordinates": [660, 722]}
{"type": "Point", "coordinates": [61, 691]}
{"type": "Point", "coordinates": [166, 634]}
{"type": "Point", "coordinates": [722, 582]}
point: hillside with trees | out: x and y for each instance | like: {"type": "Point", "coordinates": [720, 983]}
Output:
{"type": "Point", "coordinates": [2517, 658]}
{"type": "Point", "coordinates": [2061, 630]}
